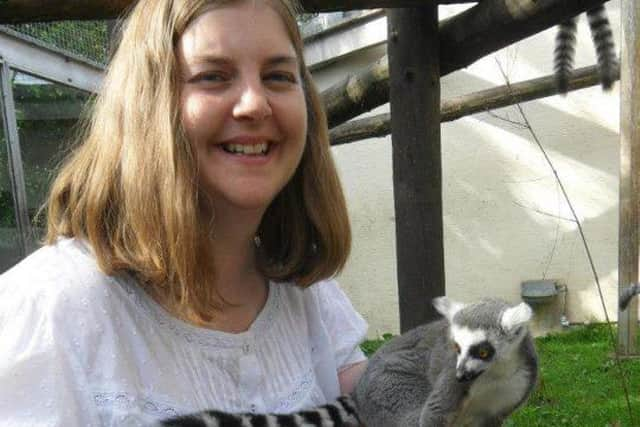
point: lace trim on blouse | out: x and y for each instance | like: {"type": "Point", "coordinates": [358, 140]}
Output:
{"type": "Point", "coordinates": [125, 403]}
{"type": "Point", "coordinates": [206, 338]}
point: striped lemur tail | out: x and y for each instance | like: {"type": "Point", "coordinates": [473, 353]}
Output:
{"type": "Point", "coordinates": [627, 294]}
{"type": "Point", "coordinates": [340, 413]}
{"type": "Point", "coordinates": [602, 36]}
{"type": "Point", "coordinates": [564, 53]}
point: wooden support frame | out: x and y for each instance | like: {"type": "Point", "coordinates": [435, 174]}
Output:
{"type": "Point", "coordinates": [629, 221]}
{"type": "Point", "coordinates": [417, 171]}
{"type": "Point", "coordinates": [379, 125]}
{"type": "Point", "coordinates": [15, 11]}
{"type": "Point", "coordinates": [485, 28]}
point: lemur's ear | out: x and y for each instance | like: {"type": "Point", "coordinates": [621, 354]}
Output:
{"type": "Point", "coordinates": [448, 308]}
{"type": "Point", "coordinates": [514, 317]}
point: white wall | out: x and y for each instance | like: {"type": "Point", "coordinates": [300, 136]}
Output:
{"type": "Point", "coordinates": [505, 219]}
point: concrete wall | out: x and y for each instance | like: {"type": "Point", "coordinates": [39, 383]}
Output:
{"type": "Point", "coordinates": [505, 219]}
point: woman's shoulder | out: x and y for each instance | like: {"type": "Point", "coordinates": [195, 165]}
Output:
{"type": "Point", "coordinates": [325, 297]}
{"type": "Point", "coordinates": [63, 273]}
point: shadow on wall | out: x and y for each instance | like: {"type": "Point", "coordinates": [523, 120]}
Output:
{"type": "Point", "coordinates": [506, 220]}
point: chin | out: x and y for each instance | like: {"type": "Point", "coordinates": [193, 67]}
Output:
{"type": "Point", "coordinates": [249, 202]}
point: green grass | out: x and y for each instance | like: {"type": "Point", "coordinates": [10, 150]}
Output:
{"type": "Point", "coordinates": [579, 383]}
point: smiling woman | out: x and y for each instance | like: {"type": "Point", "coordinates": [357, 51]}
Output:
{"type": "Point", "coordinates": [243, 106]}
{"type": "Point", "coordinates": [192, 235]}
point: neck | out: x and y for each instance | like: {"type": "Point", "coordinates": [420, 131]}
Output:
{"type": "Point", "coordinates": [237, 278]}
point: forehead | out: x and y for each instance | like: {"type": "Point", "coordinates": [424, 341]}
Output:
{"type": "Point", "coordinates": [246, 28]}
{"type": "Point", "coordinates": [485, 314]}
{"type": "Point", "coordinates": [466, 337]}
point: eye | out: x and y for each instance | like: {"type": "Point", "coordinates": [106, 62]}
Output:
{"type": "Point", "coordinates": [483, 353]}
{"type": "Point", "coordinates": [210, 77]}
{"type": "Point", "coordinates": [281, 77]}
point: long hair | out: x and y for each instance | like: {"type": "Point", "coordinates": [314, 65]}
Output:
{"type": "Point", "coordinates": [130, 187]}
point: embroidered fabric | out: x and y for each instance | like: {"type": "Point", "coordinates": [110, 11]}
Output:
{"type": "Point", "coordinates": [84, 349]}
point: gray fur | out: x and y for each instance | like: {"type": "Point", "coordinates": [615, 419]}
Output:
{"type": "Point", "coordinates": [628, 294]}
{"type": "Point", "coordinates": [411, 381]}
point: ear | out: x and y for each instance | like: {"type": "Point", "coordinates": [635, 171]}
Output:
{"type": "Point", "coordinates": [447, 307]}
{"type": "Point", "coordinates": [514, 317]}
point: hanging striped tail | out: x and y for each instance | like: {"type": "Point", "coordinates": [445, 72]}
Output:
{"type": "Point", "coordinates": [627, 294]}
{"type": "Point", "coordinates": [605, 47]}
{"type": "Point", "coordinates": [341, 413]}
{"type": "Point", "coordinates": [564, 53]}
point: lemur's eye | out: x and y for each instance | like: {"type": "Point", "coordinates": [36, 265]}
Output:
{"type": "Point", "coordinates": [456, 347]}
{"type": "Point", "coordinates": [483, 353]}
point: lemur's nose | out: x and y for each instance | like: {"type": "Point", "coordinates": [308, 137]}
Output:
{"type": "Point", "coordinates": [466, 376]}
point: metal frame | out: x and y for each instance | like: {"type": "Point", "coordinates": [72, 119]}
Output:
{"type": "Point", "coordinates": [16, 172]}
{"type": "Point", "coordinates": [19, 53]}
{"type": "Point", "coordinates": [32, 57]}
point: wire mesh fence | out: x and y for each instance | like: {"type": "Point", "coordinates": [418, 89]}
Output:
{"type": "Point", "coordinates": [87, 39]}
{"type": "Point", "coordinates": [90, 39]}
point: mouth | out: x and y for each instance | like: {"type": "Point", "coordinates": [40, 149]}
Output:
{"type": "Point", "coordinates": [260, 149]}
{"type": "Point", "coordinates": [467, 376]}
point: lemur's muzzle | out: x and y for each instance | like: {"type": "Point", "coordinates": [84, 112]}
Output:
{"type": "Point", "coordinates": [465, 376]}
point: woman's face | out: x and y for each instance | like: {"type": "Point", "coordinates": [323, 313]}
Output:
{"type": "Point", "coordinates": [242, 103]}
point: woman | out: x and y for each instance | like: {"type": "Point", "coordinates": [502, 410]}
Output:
{"type": "Point", "coordinates": [191, 236]}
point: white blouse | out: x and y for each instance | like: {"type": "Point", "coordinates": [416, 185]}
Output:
{"type": "Point", "coordinates": [79, 348]}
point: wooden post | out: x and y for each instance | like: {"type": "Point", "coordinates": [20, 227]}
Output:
{"type": "Point", "coordinates": [629, 169]}
{"type": "Point", "coordinates": [413, 49]}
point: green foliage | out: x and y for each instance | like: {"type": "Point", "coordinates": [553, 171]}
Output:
{"type": "Point", "coordinates": [580, 383]}
{"type": "Point", "coordinates": [370, 346]}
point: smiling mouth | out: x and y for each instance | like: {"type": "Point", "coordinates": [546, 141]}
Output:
{"type": "Point", "coordinates": [261, 149]}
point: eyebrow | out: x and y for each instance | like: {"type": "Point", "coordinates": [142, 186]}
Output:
{"type": "Point", "coordinates": [223, 60]}
{"type": "Point", "coordinates": [283, 59]}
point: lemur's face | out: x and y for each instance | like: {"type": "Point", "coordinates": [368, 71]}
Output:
{"type": "Point", "coordinates": [478, 348]}
{"type": "Point", "coordinates": [475, 352]}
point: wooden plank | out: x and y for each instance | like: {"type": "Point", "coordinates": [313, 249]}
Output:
{"type": "Point", "coordinates": [337, 5]}
{"type": "Point", "coordinates": [417, 171]}
{"type": "Point", "coordinates": [629, 220]}
{"type": "Point", "coordinates": [379, 125]}
{"type": "Point", "coordinates": [16, 11]}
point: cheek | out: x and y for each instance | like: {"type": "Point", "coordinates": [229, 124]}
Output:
{"type": "Point", "coordinates": [292, 117]}
{"type": "Point", "coordinates": [191, 109]}
{"type": "Point", "coordinates": [197, 118]}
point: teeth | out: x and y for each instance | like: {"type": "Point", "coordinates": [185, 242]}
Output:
{"type": "Point", "coordinates": [247, 149]}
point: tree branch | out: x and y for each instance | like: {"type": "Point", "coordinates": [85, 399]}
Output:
{"type": "Point", "coordinates": [455, 108]}
{"type": "Point", "coordinates": [485, 28]}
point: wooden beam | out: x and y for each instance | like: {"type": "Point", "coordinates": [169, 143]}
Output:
{"type": "Point", "coordinates": [417, 175]}
{"type": "Point", "coordinates": [17, 11]}
{"type": "Point", "coordinates": [460, 106]}
{"type": "Point", "coordinates": [629, 209]}
{"type": "Point", "coordinates": [336, 5]}
{"type": "Point", "coordinates": [487, 27]}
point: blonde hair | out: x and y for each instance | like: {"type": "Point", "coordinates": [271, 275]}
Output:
{"type": "Point", "coordinates": [130, 188]}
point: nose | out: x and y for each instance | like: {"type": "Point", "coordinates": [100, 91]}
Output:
{"type": "Point", "coordinates": [464, 376]}
{"type": "Point", "coordinates": [252, 103]}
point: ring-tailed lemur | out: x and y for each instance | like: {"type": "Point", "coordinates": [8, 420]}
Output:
{"type": "Point", "coordinates": [340, 413]}
{"type": "Point", "coordinates": [602, 40]}
{"type": "Point", "coordinates": [627, 294]}
{"type": "Point", "coordinates": [473, 368]}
